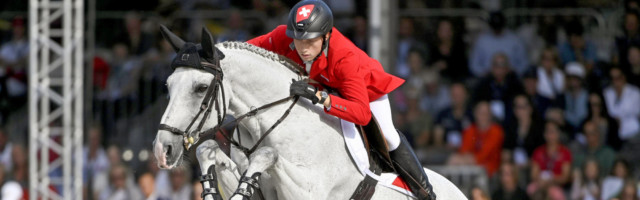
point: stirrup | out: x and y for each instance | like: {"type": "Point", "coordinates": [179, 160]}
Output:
{"type": "Point", "coordinates": [210, 178]}
{"type": "Point", "coordinates": [253, 186]}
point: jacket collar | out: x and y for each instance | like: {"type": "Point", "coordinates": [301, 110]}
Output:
{"type": "Point", "coordinates": [318, 65]}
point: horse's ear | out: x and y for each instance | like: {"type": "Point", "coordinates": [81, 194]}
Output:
{"type": "Point", "coordinates": [173, 39]}
{"type": "Point", "coordinates": [208, 43]}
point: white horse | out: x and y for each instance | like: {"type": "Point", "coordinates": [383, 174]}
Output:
{"type": "Point", "coordinates": [304, 158]}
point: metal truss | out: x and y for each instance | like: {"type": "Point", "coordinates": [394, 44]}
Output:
{"type": "Point", "coordinates": [55, 98]}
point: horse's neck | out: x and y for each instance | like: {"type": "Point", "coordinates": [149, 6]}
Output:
{"type": "Point", "coordinates": [306, 138]}
{"type": "Point", "coordinates": [255, 81]}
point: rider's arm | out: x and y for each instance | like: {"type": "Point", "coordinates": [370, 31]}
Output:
{"type": "Point", "coordinates": [353, 106]}
{"type": "Point", "coordinates": [327, 102]}
{"type": "Point", "coordinates": [272, 41]}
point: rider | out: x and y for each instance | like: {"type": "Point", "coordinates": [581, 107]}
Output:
{"type": "Point", "coordinates": [330, 59]}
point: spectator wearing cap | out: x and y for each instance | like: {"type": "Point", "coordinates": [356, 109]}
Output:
{"type": "Point", "coordinates": [634, 65]}
{"type": "Point", "coordinates": [577, 49]}
{"type": "Point", "coordinates": [499, 39]}
{"type": "Point", "coordinates": [622, 100]}
{"type": "Point", "coordinates": [499, 87]}
{"type": "Point", "coordinates": [550, 77]}
{"type": "Point", "coordinates": [576, 97]}
{"type": "Point", "coordinates": [435, 96]}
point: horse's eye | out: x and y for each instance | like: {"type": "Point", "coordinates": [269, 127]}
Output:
{"type": "Point", "coordinates": [201, 88]}
{"type": "Point", "coordinates": [168, 96]}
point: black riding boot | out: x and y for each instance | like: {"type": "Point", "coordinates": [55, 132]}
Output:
{"type": "Point", "coordinates": [409, 168]}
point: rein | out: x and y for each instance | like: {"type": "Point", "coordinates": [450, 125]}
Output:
{"type": "Point", "coordinates": [211, 97]}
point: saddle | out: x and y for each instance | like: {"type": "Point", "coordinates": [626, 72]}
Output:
{"type": "Point", "coordinates": [376, 146]}
{"type": "Point", "coordinates": [379, 159]}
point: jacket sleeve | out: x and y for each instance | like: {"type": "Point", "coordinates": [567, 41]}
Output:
{"type": "Point", "coordinates": [353, 106]}
{"type": "Point", "coordinates": [271, 40]}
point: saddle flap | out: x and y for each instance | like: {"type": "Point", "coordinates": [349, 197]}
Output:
{"type": "Point", "coordinates": [376, 145]}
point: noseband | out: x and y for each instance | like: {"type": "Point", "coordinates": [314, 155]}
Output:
{"type": "Point", "coordinates": [191, 137]}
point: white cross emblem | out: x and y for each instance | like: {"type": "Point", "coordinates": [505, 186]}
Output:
{"type": "Point", "coordinates": [304, 12]}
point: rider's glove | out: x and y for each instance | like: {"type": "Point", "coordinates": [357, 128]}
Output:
{"type": "Point", "coordinates": [303, 89]}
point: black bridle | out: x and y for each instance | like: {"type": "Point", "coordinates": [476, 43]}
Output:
{"type": "Point", "coordinates": [191, 137]}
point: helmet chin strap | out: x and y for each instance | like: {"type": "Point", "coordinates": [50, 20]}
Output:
{"type": "Point", "coordinates": [325, 47]}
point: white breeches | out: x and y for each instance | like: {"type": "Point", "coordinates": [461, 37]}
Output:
{"type": "Point", "coordinates": [381, 109]}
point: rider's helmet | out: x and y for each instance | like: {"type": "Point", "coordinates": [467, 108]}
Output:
{"type": "Point", "coordinates": [309, 19]}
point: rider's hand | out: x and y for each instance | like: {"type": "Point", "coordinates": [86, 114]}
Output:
{"type": "Point", "coordinates": [303, 89]}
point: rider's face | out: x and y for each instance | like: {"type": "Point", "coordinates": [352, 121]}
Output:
{"type": "Point", "coordinates": [308, 49]}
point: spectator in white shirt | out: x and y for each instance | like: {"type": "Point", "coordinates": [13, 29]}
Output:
{"type": "Point", "coordinates": [550, 77]}
{"type": "Point", "coordinates": [622, 100]}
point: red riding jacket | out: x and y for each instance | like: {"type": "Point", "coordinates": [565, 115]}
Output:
{"type": "Point", "coordinates": [358, 78]}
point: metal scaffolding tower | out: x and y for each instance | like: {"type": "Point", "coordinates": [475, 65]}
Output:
{"type": "Point", "coordinates": [55, 98]}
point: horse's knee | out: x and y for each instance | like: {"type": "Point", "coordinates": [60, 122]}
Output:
{"type": "Point", "coordinates": [265, 154]}
{"type": "Point", "coordinates": [206, 150]}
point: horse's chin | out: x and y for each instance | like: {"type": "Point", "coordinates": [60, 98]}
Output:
{"type": "Point", "coordinates": [170, 163]}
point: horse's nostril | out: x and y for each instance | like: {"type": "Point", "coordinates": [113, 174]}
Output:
{"type": "Point", "coordinates": [169, 148]}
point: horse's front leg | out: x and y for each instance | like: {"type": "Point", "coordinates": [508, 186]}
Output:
{"type": "Point", "coordinates": [261, 160]}
{"type": "Point", "coordinates": [216, 166]}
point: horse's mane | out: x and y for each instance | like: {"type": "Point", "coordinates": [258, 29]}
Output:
{"type": "Point", "coordinates": [292, 65]}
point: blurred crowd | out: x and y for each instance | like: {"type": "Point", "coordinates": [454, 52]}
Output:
{"type": "Point", "coordinates": [536, 105]}
{"type": "Point", "coordinates": [539, 103]}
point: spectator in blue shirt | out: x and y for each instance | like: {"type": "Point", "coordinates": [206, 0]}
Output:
{"type": "Point", "coordinates": [577, 49]}
{"type": "Point", "coordinates": [499, 39]}
{"type": "Point", "coordinates": [576, 97]}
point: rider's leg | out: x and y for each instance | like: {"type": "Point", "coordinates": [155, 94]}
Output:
{"type": "Point", "coordinates": [402, 155]}
{"type": "Point", "coordinates": [381, 109]}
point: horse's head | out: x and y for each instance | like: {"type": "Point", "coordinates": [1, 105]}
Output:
{"type": "Point", "coordinates": [193, 97]}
